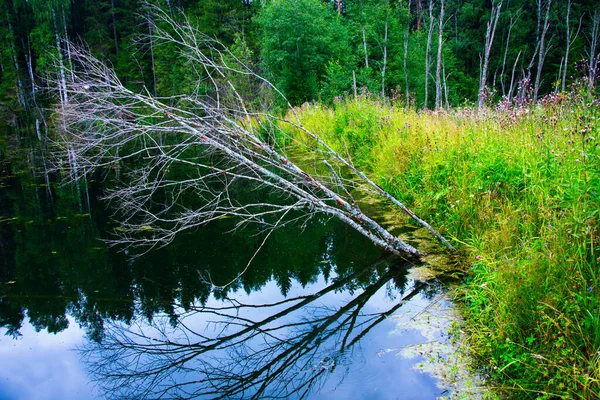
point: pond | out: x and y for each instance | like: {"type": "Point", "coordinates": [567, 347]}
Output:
{"type": "Point", "coordinates": [315, 315]}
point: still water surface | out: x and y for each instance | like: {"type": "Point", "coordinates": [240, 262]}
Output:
{"type": "Point", "coordinates": [81, 320]}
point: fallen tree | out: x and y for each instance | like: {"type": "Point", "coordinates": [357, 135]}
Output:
{"type": "Point", "coordinates": [213, 136]}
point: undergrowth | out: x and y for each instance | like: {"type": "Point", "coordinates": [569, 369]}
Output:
{"type": "Point", "coordinates": [518, 190]}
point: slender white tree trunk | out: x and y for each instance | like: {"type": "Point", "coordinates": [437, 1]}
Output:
{"type": "Point", "coordinates": [512, 77]}
{"type": "Point", "coordinates": [568, 45]}
{"type": "Point", "coordinates": [30, 69]}
{"type": "Point", "coordinates": [67, 45]}
{"type": "Point", "coordinates": [542, 51]}
{"type": "Point", "coordinates": [438, 70]}
{"type": "Point", "coordinates": [385, 42]}
{"type": "Point", "coordinates": [594, 55]}
{"type": "Point", "coordinates": [427, 54]}
{"type": "Point", "coordinates": [406, 35]}
{"type": "Point", "coordinates": [364, 35]}
{"type": "Point", "coordinates": [61, 64]}
{"type": "Point", "coordinates": [487, 47]}
{"type": "Point", "coordinates": [513, 21]}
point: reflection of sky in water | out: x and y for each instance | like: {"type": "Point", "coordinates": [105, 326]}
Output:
{"type": "Point", "coordinates": [44, 366]}
{"type": "Point", "coordinates": [39, 365]}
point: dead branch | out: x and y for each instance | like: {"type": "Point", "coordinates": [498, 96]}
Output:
{"type": "Point", "coordinates": [190, 159]}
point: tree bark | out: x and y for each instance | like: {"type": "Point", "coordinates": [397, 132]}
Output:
{"type": "Point", "coordinates": [427, 54]}
{"type": "Point", "coordinates": [364, 35]}
{"type": "Point", "coordinates": [438, 71]}
{"type": "Point", "coordinates": [512, 77]}
{"type": "Point", "coordinates": [513, 21]}
{"type": "Point", "coordinates": [385, 43]}
{"type": "Point", "coordinates": [542, 51]}
{"type": "Point", "coordinates": [104, 122]}
{"type": "Point", "coordinates": [487, 47]}
{"type": "Point", "coordinates": [594, 54]}
{"type": "Point", "coordinates": [61, 64]}
{"type": "Point", "coordinates": [406, 36]}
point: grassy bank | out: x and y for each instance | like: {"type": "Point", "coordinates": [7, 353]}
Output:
{"type": "Point", "coordinates": [519, 192]}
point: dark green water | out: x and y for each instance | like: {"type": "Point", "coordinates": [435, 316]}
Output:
{"type": "Point", "coordinates": [81, 320]}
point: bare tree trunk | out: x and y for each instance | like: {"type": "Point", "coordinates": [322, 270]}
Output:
{"type": "Point", "coordinates": [559, 76]}
{"type": "Point", "coordinates": [445, 84]}
{"type": "Point", "coordinates": [61, 64]}
{"type": "Point", "coordinates": [427, 53]}
{"type": "Point", "coordinates": [30, 69]}
{"type": "Point", "coordinates": [542, 51]}
{"type": "Point", "coordinates": [487, 47]}
{"type": "Point", "coordinates": [512, 77]}
{"type": "Point", "coordinates": [568, 45]}
{"type": "Point", "coordinates": [406, 36]}
{"type": "Point", "coordinates": [438, 70]}
{"type": "Point", "coordinates": [385, 42]}
{"type": "Point", "coordinates": [67, 42]}
{"type": "Point", "coordinates": [218, 141]}
{"type": "Point", "coordinates": [594, 55]}
{"type": "Point", "coordinates": [364, 35]}
{"type": "Point", "coordinates": [513, 21]}
{"type": "Point", "coordinates": [571, 38]}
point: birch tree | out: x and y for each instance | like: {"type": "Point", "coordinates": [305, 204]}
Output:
{"type": "Point", "coordinates": [428, 53]}
{"type": "Point", "coordinates": [487, 47]}
{"type": "Point", "coordinates": [405, 55]}
{"type": "Point", "coordinates": [218, 140]}
{"type": "Point", "coordinates": [542, 50]}
{"type": "Point", "coordinates": [385, 52]}
{"type": "Point", "coordinates": [438, 70]}
{"type": "Point", "coordinates": [364, 34]}
{"type": "Point", "coordinates": [513, 20]}
{"type": "Point", "coordinates": [593, 52]}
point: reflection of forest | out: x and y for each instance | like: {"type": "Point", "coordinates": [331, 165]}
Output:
{"type": "Point", "coordinates": [281, 349]}
{"type": "Point", "coordinates": [54, 263]}
{"type": "Point", "coordinates": [148, 316]}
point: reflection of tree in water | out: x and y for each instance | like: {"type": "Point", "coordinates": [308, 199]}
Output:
{"type": "Point", "coordinates": [139, 313]}
{"type": "Point", "coordinates": [57, 266]}
{"type": "Point", "coordinates": [284, 352]}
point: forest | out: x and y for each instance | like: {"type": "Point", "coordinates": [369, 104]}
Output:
{"type": "Point", "coordinates": [426, 54]}
{"type": "Point", "coordinates": [482, 116]}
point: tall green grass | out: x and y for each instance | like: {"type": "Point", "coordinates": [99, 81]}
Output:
{"type": "Point", "coordinates": [519, 192]}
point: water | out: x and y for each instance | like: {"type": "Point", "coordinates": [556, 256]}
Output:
{"type": "Point", "coordinates": [314, 316]}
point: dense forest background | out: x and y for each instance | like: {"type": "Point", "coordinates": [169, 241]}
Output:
{"type": "Point", "coordinates": [426, 53]}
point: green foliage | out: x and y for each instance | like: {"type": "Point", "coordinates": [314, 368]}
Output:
{"type": "Point", "coordinates": [298, 40]}
{"type": "Point", "coordinates": [518, 189]}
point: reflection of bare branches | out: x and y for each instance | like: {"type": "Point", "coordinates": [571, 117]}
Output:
{"type": "Point", "coordinates": [234, 354]}
{"type": "Point", "coordinates": [205, 144]}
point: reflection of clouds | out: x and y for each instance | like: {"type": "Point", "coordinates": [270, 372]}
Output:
{"type": "Point", "coordinates": [264, 344]}
{"type": "Point", "coordinates": [381, 376]}
{"type": "Point", "coordinates": [40, 365]}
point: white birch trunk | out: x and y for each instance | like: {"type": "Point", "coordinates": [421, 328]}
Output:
{"type": "Point", "coordinates": [487, 47]}
{"type": "Point", "coordinates": [594, 55]}
{"type": "Point", "coordinates": [385, 43]}
{"type": "Point", "coordinates": [427, 54]}
{"type": "Point", "coordinates": [438, 70]}
{"type": "Point", "coordinates": [542, 51]}
{"type": "Point", "coordinates": [406, 36]}
{"type": "Point", "coordinates": [61, 64]}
